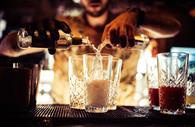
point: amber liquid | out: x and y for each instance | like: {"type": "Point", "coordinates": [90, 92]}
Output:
{"type": "Point", "coordinates": [172, 98]}
{"type": "Point", "coordinates": [154, 97]}
{"type": "Point", "coordinates": [190, 99]}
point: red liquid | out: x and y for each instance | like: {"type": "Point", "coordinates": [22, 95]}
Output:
{"type": "Point", "coordinates": [172, 98]}
{"type": "Point", "coordinates": [154, 96]}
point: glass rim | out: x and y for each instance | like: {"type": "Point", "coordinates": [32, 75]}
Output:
{"type": "Point", "coordinates": [104, 55]}
{"type": "Point", "coordinates": [172, 54]}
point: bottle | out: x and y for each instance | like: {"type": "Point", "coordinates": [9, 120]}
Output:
{"type": "Point", "coordinates": [27, 40]}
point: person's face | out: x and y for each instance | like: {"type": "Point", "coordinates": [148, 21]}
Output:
{"type": "Point", "coordinates": [95, 7]}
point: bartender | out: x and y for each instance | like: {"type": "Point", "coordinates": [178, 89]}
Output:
{"type": "Point", "coordinates": [99, 23]}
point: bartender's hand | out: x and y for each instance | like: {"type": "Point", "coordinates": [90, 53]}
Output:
{"type": "Point", "coordinates": [48, 29]}
{"type": "Point", "coordinates": [9, 47]}
{"type": "Point", "coordinates": [121, 30]}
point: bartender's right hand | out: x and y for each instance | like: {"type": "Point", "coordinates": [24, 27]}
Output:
{"type": "Point", "coordinates": [9, 47]}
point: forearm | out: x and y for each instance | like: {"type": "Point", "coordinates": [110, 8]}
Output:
{"type": "Point", "coordinates": [156, 24]}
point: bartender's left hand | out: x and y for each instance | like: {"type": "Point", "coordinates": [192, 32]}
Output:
{"type": "Point", "coordinates": [120, 31]}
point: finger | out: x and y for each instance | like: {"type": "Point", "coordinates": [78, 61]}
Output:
{"type": "Point", "coordinates": [54, 34]}
{"type": "Point", "coordinates": [34, 28]}
{"type": "Point", "coordinates": [122, 41]}
{"type": "Point", "coordinates": [50, 30]}
{"type": "Point", "coordinates": [122, 37]}
{"type": "Point", "coordinates": [113, 37]}
{"type": "Point", "coordinates": [62, 26]}
{"type": "Point", "coordinates": [130, 36]}
{"type": "Point", "coordinates": [40, 31]}
{"type": "Point", "coordinates": [43, 36]}
{"type": "Point", "coordinates": [37, 31]}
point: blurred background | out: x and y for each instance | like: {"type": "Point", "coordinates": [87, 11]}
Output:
{"type": "Point", "coordinates": [15, 13]}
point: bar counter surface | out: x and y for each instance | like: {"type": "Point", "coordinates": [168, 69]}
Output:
{"type": "Point", "coordinates": [62, 116]}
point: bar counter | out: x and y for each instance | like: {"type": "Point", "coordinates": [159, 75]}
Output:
{"type": "Point", "coordinates": [61, 115]}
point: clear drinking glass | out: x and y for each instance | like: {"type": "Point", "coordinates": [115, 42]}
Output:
{"type": "Point", "coordinates": [190, 98]}
{"type": "Point", "coordinates": [172, 78]}
{"type": "Point", "coordinates": [76, 81]}
{"type": "Point", "coordinates": [152, 81]}
{"type": "Point", "coordinates": [102, 76]}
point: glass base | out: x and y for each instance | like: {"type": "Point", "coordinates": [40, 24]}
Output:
{"type": "Point", "coordinates": [172, 112]}
{"type": "Point", "coordinates": [77, 106]}
{"type": "Point", "coordinates": [112, 107]}
{"type": "Point", "coordinates": [154, 107]}
{"type": "Point", "coordinates": [93, 109]}
{"type": "Point", "coordinates": [190, 106]}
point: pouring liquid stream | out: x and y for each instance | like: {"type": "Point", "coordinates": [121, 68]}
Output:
{"type": "Point", "coordinates": [141, 41]}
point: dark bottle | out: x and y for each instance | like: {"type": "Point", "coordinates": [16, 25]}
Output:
{"type": "Point", "coordinates": [34, 39]}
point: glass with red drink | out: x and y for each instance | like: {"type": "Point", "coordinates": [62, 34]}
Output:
{"type": "Point", "coordinates": [152, 81]}
{"type": "Point", "coordinates": [172, 98]}
{"type": "Point", "coordinates": [172, 78]}
{"type": "Point", "coordinates": [154, 98]}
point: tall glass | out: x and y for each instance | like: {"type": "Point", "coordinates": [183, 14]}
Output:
{"type": "Point", "coordinates": [76, 81]}
{"type": "Point", "coordinates": [190, 98]}
{"type": "Point", "coordinates": [152, 81]}
{"type": "Point", "coordinates": [102, 76]}
{"type": "Point", "coordinates": [172, 78]}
